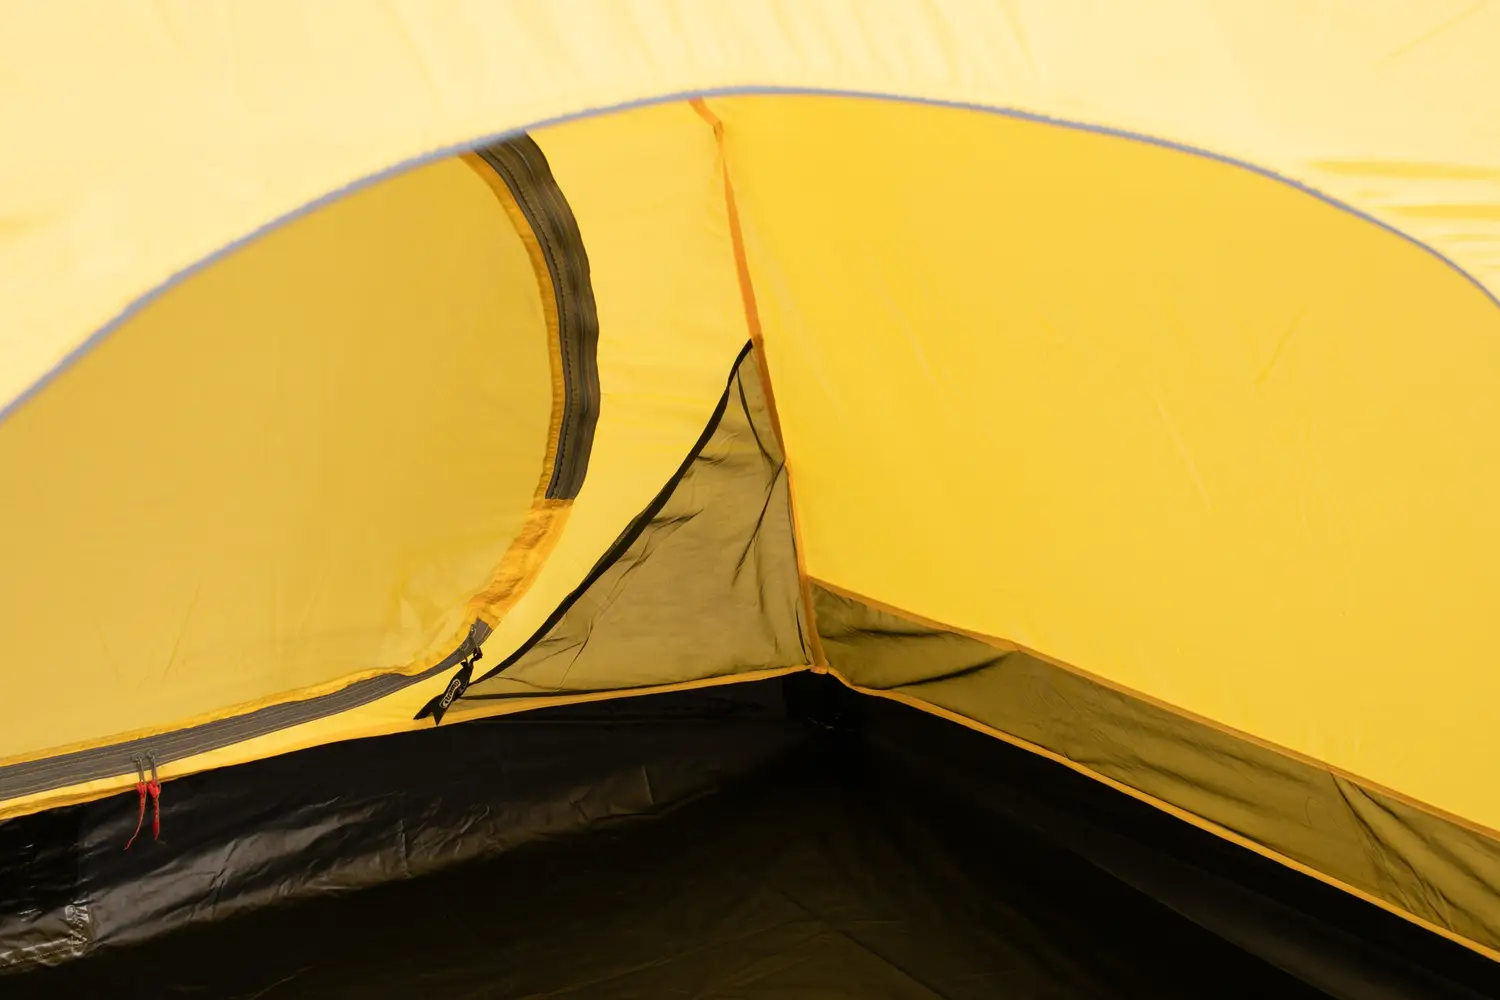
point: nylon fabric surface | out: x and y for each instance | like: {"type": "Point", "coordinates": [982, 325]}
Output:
{"type": "Point", "coordinates": [360, 814]}
{"type": "Point", "coordinates": [1418, 862]}
{"type": "Point", "coordinates": [817, 878]}
{"type": "Point", "coordinates": [266, 483]}
{"type": "Point", "coordinates": [1159, 339]}
{"type": "Point", "coordinates": [1322, 935]}
{"type": "Point", "coordinates": [660, 188]}
{"type": "Point", "coordinates": [1386, 105]}
{"type": "Point", "coordinates": [670, 326]}
{"type": "Point", "coordinates": [1138, 410]}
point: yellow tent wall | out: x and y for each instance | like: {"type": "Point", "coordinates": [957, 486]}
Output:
{"type": "Point", "coordinates": [1155, 343]}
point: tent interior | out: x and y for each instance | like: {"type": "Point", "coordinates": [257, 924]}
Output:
{"type": "Point", "coordinates": [782, 838]}
{"type": "Point", "coordinates": [777, 544]}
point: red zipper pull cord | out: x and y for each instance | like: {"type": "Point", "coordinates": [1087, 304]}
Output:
{"type": "Point", "coordinates": [141, 788]}
{"type": "Point", "coordinates": [154, 787]}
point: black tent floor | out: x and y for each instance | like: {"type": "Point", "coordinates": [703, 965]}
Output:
{"type": "Point", "coordinates": [798, 842]}
{"type": "Point", "coordinates": [815, 878]}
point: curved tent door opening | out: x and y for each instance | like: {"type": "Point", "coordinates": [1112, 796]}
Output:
{"type": "Point", "coordinates": [322, 457]}
{"type": "Point", "coordinates": [1076, 438]}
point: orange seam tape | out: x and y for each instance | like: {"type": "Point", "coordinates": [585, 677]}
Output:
{"type": "Point", "coordinates": [752, 321]}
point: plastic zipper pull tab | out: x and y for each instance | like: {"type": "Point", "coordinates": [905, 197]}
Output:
{"type": "Point", "coordinates": [439, 706]}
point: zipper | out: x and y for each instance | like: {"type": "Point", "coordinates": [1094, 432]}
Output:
{"type": "Point", "coordinates": [521, 165]}
{"type": "Point", "coordinates": [120, 759]}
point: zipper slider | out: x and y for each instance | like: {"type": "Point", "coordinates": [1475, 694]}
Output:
{"type": "Point", "coordinates": [439, 706]}
{"type": "Point", "coordinates": [146, 788]}
{"type": "Point", "coordinates": [154, 787]}
{"type": "Point", "coordinates": [141, 792]}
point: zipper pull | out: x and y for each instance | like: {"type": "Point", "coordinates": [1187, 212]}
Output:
{"type": "Point", "coordinates": [154, 788]}
{"type": "Point", "coordinates": [439, 706]}
{"type": "Point", "coordinates": [141, 788]}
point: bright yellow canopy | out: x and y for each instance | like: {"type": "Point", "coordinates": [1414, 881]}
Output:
{"type": "Point", "coordinates": [1158, 344]}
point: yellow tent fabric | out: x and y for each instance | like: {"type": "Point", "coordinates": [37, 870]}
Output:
{"type": "Point", "coordinates": [1385, 105]}
{"type": "Point", "coordinates": [417, 460]}
{"type": "Point", "coordinates": [1160, 341]}
{"type": "Point", "coordinates": [1180, 415]}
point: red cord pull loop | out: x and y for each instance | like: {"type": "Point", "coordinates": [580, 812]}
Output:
{"type": "Point", "coordinates": [154, 787]}
{"type": "Point", "coordinates": [141, 790]}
